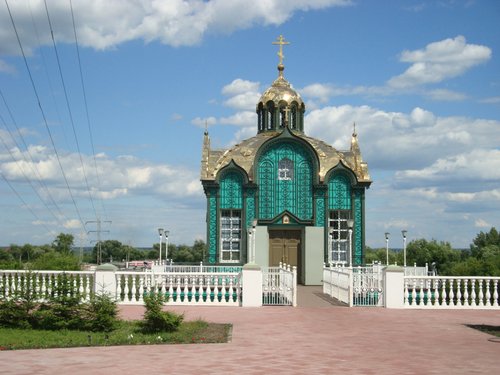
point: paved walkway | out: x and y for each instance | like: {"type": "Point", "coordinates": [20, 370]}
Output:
{"type": "Point", "coordinates": [314, 338]}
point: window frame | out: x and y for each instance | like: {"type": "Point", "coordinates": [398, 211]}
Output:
{"type": "Point", "coordinates": [230, 235]}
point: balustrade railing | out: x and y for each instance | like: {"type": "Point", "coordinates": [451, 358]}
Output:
{"type": "Point", "coordinates": [190, 288]}
{"type": "Point", "coordinates": [337, 283]}
{"type": "Point", "coordinates": [40, 285]}
{"type": "Point", "coordinates": [368, 286]}
{"type": "Point", "coordinates": [279, 285]}
{"type": "Point", "coordinates": [451, 292]}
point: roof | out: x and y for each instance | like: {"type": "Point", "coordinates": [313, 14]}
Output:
{"type": "Point", "coordinates": [243, 154]}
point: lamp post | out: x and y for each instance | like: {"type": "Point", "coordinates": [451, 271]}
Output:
{"type": "Point", "coordinates": [350, 224]}
{"type": "Point", "coordinates": [387, 248]}
{"type": "Point", "coordinates": [160, 232]}
{"type": "Point", "coordinates": [403, 232]}
{"type": "Point", "coordinates": [166, 245]}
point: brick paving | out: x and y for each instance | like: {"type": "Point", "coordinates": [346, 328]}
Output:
{"type": "Point", "coordinates": [314, 338]}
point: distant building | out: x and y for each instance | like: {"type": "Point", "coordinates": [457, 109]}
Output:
{"type": "Point", "coordinates": [295, 195]}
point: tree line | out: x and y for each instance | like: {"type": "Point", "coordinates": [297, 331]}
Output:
{"type": "Point", "coordinates": [61, 255]}
{"type": "Point", "coordinates": [481, 259]}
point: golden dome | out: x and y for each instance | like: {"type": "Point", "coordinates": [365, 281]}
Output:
{"type": "Point", "coordinates": [281, 91]}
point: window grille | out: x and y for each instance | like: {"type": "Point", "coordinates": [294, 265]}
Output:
{"type": "Point", "coordinates": [339, 236]}
{"type": "Point", "coordinates": [285, 169]}
{"type": "Point", "coordinates": [230, 235]}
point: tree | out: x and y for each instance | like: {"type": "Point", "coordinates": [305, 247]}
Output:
{"type": "Point", "coordinates": [486, 244]}
{"type": "Point", "coordinates": [63, 243]}
{"type": "Point", "coordinates": [110, 250]}
{"type": "Point", "coordinates": [424, 252]}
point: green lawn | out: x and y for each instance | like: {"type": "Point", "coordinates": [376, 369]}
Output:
{"type": "Point", "coordinates": [127, 333]}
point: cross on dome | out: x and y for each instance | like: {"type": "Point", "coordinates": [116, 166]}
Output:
{"type": "Point", "coordinates": [281, 42]}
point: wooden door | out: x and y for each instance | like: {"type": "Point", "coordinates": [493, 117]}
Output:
{"type": "Point", "coordinates": [284, 246]}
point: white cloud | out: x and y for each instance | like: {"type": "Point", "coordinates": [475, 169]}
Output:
{"type": "Point", "coordinates": [243, 119]}
{"type": "Point", "coordinates": [122, 176]}
{"type": "Point", "coordinates": [202, 122]}
{"type": "Point", "coordinates": [492, 100]}
{"type": "Point", "coordinates": [72, 224]}
{"type": "Point", "coordinates": [445, 95]}
{"type": "Point", "coordinates": [319, 91]}
{"type": "Point", "coordinates": [438, 61]}
{"type": "Point", "coordinates": [476, 165]}
{"type": "Point", "coordinates": [240, 86]}
{"type": "Point", "coordinates": [6, 68]}
{"type": "Point", "coordinates": [480, 223]}
{"type": "Point", "coordinates": [106, 24]}
{"type": "Point", "coordinates": [418, 139]}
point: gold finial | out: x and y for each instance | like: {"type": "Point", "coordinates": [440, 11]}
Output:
{"type": "Point", "coordinates": [281, 42]}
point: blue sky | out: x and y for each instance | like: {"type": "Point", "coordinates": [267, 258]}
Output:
{"type": "Point", "coordinates": [421, 79]}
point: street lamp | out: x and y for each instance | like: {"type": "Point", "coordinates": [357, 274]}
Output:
{"type": "Point", "coordinates": [403, 232]}
{"type": "Point", "coordinates": [350, 224]}
{"type": "Point", "coordinates": [166, 245]}
{"type": "Point", "coordinates": [387, 248]}
{"type": "Point", "coordinates": [160, 232]}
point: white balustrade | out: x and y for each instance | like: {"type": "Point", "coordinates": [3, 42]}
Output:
{"type": "Point", "coordinates": [466, 292]}
{"type": "Point", "coordinates": [193, 288]}
{"type": "Point", "coordinates": [279, 285]}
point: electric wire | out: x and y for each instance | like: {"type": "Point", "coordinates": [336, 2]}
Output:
{"type": "Point", "coordinates": [26, 205]}
{"type": "Point", "coordinates": [86, 106]}
{"type": "Point", "coordinates": [31, 161]}
{"type": "Point", "coordinates": [43, 114]}
{"type": "Point", "coordinates": [21, 168]}
{"type": "Point", "coordinates": [69, 108]}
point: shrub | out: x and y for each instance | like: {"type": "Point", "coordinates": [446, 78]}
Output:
{"type": "Point", "coordinates": [156, 320]}
{"type": "Point", "coordinates": [101, 313]}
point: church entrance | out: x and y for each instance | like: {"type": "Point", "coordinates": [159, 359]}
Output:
{"type": "Point", "coordinates": [284, 246]}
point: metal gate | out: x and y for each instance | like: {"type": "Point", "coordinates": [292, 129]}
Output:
{"type": "Point", "coordinates": [279, 286]}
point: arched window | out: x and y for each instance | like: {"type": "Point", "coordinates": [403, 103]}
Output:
{"type": "Point", "coordinates": [285, 169]}
{"type": "Point", "coordinates": [293, 119]}
{"type": "Point", "coordinates": [270, 116]}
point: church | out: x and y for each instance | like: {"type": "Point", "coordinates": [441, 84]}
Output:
{"type": "Point", "coordinates": [282, 196]}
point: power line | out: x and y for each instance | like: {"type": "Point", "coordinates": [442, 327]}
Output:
{"type": "Point", "coordinates": [69, 108]}
{"type": "Point", "coordinates": [86, 104]}
{"type": "Point", "coordinates": [27, 205]}
{"type": "Point", "coordinates": [43, 113]}
{"type": "Point", "coordinates": [32, 164]}
{"type": "Point", "coordinates": [16, 162]}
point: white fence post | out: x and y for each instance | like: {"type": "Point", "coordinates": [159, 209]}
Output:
{"type": "Point", "coordinates": [394, 287]}
{"type": "Point", "coordinates": [105, 280]}
{"type": "Point", "coordinates": [251, 281]}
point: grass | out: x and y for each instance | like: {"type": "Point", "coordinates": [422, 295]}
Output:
{"type": "Point", "coordinates": [127, 333]}
{"type": "Point", "coordinates": [492, 330]}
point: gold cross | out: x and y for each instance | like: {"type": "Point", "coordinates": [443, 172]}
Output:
{"type": "Point", "coordinates": [281, 42]}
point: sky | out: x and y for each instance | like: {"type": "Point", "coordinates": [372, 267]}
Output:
{"type": "Point", "coordinates": [103, 106]}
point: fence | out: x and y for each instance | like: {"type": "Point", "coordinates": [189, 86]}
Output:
{"type": "Point", "coordinates": [40, 285]}
{"type": "Point", "coordinates": [337, 283]}
{"type": "Point", "coordinates": [279, 285]}
{"type": "Point", "coordinates": [181, 288]}
{"type": "Point", "coordinates": [358, 286]}
{"type": "Point", "coordinates": [451, 292]}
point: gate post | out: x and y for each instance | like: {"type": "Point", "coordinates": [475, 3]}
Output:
{"type": "Point", "coordinates": [105, 280]}
{"type": "Point", "coordinates": [394, 287]}
{"type": "Point", "coordinates": [251, 288]}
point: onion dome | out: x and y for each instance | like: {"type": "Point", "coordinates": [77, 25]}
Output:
{"type": "Point", "coordinates": [280, 105]}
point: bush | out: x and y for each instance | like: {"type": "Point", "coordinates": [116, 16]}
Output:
{"type": "Point", "coordinates": [101, 314]}
{"type": "Point", "coordinates": [156, 320]}
{"type": "Point", "coordinates": [12, 315]}
{"type": "Point", "coordinates": [62, 310]}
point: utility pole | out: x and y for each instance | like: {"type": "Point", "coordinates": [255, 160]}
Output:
{"type": "Point", "coordinates": [98, 231]}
